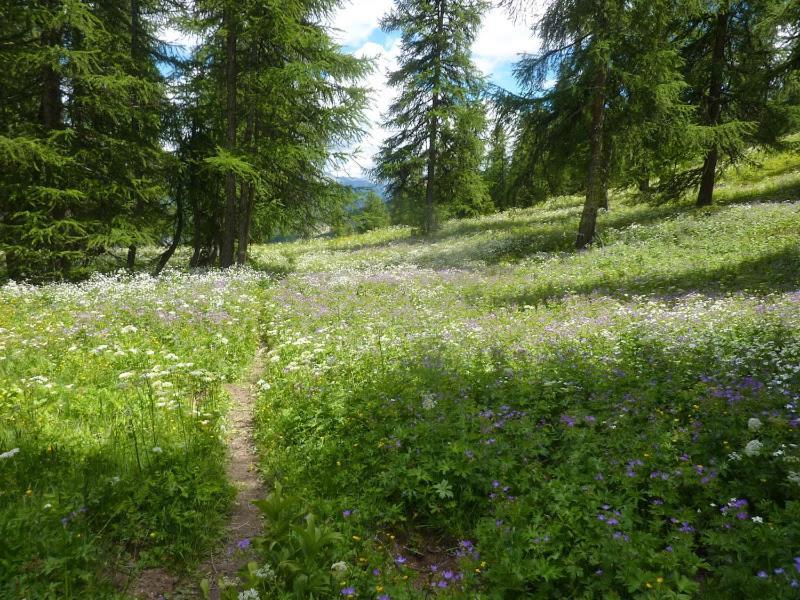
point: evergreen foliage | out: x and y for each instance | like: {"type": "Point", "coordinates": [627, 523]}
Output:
{"type": "Point", "coordinates": [431, 163]}
{"type": "Point", "coordinates": [81, 163]}
{"type": "Point", "coordinates": [296, 97]}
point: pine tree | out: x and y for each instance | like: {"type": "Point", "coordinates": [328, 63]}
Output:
{"type": "Point", "coordinates": [70, 170]}
{"type": "Point", "coordinates": [437, 109]}
{"type": "Point", "coordinates": [291, 96]}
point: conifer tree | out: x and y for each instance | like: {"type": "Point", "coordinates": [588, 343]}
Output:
{"type": "Point", "coordinates": [69, 168]}
{"type": "Point", "coordinates": [496, 174]}
{"type": "Point", "coordinates": [436, 113]}
{"type": "Point", "coordinates": [615, 69]}
{"type": "Point", "coordinates": [731, 58]}
{"type": "Point", "coordinates": [291, 96]}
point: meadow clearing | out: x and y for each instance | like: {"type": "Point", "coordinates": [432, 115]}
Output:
{"type": "Point", "coordinates": [485, 414]}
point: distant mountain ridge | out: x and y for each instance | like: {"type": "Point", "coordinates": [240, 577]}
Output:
{"type": "Point", "coordinates": [359, 183]}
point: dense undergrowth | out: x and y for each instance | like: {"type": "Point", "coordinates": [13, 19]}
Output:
{"type": "Point", "coordinates": [111, 426]}
{"type": "Point", "coordinates": [491, 415]}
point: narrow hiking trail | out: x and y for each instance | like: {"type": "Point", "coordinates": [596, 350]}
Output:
{"type": "Point", "coordinates": [242, 469]}
{"type": "Point", "coordinates": [244, 522]}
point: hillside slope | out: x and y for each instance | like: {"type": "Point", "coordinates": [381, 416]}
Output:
{"type": "Point", "coordinates": [489, 414]}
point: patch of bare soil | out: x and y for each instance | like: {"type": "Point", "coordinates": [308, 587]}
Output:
{"type": "Point", "coordinates": [245, 520]}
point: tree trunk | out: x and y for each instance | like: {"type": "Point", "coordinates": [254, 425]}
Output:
{"type": "Point", "coordinates": [228, 241]}
{"type": "Point", "coordinates": [705, 195]}
{"type": "Point", "coordinates": [246, 200]}
{"type": "Point", "coordinates": [430, 223]}
{"type": "Point", "coordinates": [51, 115]}
{"type": "Point", "coordinates": [644, 182]}
{"type": "Point", "coordinates": [130, 262]}
{"type": "Point", "coordinates": [51, 107]}
{"type": "Point", "coordinates": [13, 266]}
{"type": "Point", "coordinates": [245, 218]}
{"type": "Point", "coordinates": [176, 240]}
{"type": "Point", "coordinates": [594, 183]}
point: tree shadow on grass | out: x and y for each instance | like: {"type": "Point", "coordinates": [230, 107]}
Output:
{"type": "Point", "coordinates": [778, 271]}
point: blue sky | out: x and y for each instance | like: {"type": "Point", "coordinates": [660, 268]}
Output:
{"type": "Point", "coordinates": [357, 27]}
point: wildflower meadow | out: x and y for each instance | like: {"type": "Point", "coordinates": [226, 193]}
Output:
{"type": "Point", "coordinates": [485, 414]}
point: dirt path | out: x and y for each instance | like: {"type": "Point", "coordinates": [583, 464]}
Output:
{"type": "Point", "coordinates": [245, 520]}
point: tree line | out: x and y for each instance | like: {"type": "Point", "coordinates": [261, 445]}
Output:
{"type": "Point", "coordinates": [660, 95]}
{"type": "Point", "coordinates": [111, 140]}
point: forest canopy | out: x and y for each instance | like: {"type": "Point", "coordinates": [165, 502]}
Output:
{"type": "Point", "coordinates": [111, 140]}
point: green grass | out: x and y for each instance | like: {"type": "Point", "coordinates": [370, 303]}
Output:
{"type": "Point", "coordinates": [467, 403]}
{"type": "Point", "coordinates": [111, 412]}
{"type": "Point", "coordinates": [490, 414]}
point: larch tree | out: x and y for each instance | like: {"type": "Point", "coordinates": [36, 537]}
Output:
{"type": "Point", "coordinates": [615, 71]}
{"type": "Point", "coordinates": [291, 99]}
{"type": "Point", "coordinates": [498, 162]}
{"type": "Point", "coordinates": [437, 117]}
{"type": "Point", "coordinates": [731, 62]}
{"type": "Point", "coordinates": [70, 168]}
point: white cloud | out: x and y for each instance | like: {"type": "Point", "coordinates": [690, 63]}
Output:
{"type": "Point", "coordinates": [381, 97]}
{"type": "Point", "coordinates": [358, 19]}
{"type": "Point", "coordinates": [501, 40]}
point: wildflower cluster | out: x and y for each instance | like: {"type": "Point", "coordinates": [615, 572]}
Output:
{"type": "Point", "coordinates": [111, 411]}
{"type": "Point", "coordinates": [587, 445]}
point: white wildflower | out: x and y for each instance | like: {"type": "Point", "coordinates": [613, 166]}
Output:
{"type": "Point", "coordinates": [753, 448]}
{"type": "Point", "coordinates": [129, 329]}
{"type": "Point", "coordinates": [758, 520]}
{"type": "Point", "coordinates": [47, 506]}
{"type": "Point", "coordinates": [794, 477]}
{"type": "Point", "coordinates": [228, 582]}
{"type": "Point", "coordinates": [265, 572]}
{"type": "Point", "coordinates": [251, 594]}
{"type": "Point", "coordinates": [157, 450]}
{"type": "Point", "coordinates": [734, 456]}
{"type": "Point", "coordinates": [428, 401]}
{"type": "Point", "coordinates": [10, 454]}
{"type": "Point", "coordinates": [125, 375]}
{"type": "Point", "coordinates": [339, 567]}
{"type": "Point", "coordinates": [754, 424]}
